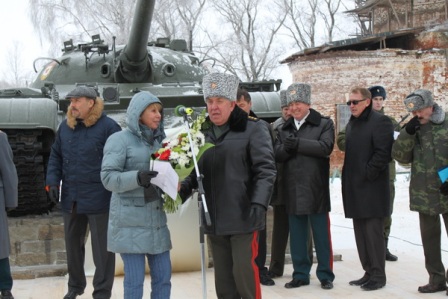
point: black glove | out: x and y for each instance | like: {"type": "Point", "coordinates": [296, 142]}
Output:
{"type": "Point", "coordinates": [291, 144]}
{"type": "Point", "coordinates": [53, 194]}
{"type": "Point", "coordinates": [444, 188]}
{"type": "Point", "coordinates": [258, 215]}
{"type": "Point", "coordinates": [144, 177]}
{"type": "Point", "coordinates": [413, 125]}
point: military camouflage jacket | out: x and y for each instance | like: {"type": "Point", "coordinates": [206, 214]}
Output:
{"type": "Point", "coordinates": [427, 150]}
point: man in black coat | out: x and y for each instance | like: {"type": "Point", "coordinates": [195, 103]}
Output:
{"type": "Point", "coordinates": [365, 184]}
{"type": "Point", "coordinates": [8, 201]}
{"type": "Point", "coordinates": [304, 144]}
{"type": "Point", "coordinates": [238, 176]}
{"type": "Point", "coordinates": [244, 101]}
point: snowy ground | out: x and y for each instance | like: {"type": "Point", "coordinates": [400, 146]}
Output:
{"type": "Point", "coordinates": [405, 232]}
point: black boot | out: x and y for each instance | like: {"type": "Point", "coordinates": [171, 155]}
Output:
{"type": "Point", "coordinates": [389, 256]}
{"type": "Point", "coordinates": [6, 294]}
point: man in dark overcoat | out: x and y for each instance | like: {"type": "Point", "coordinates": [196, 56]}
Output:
{"type": "Point", "coordinates": [365, 184]}
{"type": "Point", "coordinates": [304, 144]}
{"type": "Point", "coordinates": [8, 200]}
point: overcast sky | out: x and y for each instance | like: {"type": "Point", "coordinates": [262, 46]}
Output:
{"type": "Point", "coordinates": [16, 26]}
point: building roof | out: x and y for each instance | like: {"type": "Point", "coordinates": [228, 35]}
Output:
{"type": "Point", "coordinates": [369, 4]}
{"type": "Point", "coordinates": [396, 39]}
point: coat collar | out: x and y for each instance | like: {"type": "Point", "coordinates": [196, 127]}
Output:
{"type": "Point", "coordinates": [92, 118]}
{"type": "Point", "coordinates": [237, 120]}
{"type": "Point", "coordinates": [314, 119]}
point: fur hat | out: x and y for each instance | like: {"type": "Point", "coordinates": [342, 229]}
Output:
{"type": "Point", "coordinates": [283, 101]}
{"type": "Point", "coordinates": [299, 92]}
{"type": "Point", "coordinates": [378, 91]}
{"type": "Point", "coordinates": [419, 99]}
{"type": "Point", "coordinates": [220, 85]}
{"type": "Point", "coordinates": [82, 91]}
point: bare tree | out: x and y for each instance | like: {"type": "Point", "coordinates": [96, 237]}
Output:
{"type": "Point", "coordinates": [190, 12]}
{"type": "Point", "coordinates": [178, 18]}
{"type": "Point", "coordinates": [59, 20]}
{"type": "Point", "coordinates": [328, 13]}
{"type": "Point", "coordinates": [15, 74]}
{"type": "Point", "coordinates": [301, 21]}
{"type": "Point", "coordinates": [247, 47]}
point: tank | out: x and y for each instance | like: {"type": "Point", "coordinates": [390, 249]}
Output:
{"type": "Point", "coordinates": [166, 68]}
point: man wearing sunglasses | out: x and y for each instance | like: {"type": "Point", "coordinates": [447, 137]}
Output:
{"type": "Point", "coordinates": [365, 184]}
{"type": "Point", "coordinates": [378, 94]}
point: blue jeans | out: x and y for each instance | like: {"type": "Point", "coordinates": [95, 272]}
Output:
{"type": "Point", "coordinates": [134, 275]}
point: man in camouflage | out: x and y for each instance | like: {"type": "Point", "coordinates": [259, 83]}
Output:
{"type": "Point", "coordinates": [424, 143]}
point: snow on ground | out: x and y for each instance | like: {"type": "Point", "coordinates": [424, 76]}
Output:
{"type": "Point", "coordinates": [405, 231]}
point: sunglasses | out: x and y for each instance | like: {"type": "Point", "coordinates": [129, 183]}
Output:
{"type": "Point", "coordinates": [355, 102]}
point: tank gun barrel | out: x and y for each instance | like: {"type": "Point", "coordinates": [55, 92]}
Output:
{"type": "Point", "coordinates": [134, 65]}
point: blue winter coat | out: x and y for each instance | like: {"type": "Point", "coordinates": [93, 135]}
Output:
{"type": "Point", "coordinates": [137, 222]}
{"type": "Point", "coordinates": [75, 159]}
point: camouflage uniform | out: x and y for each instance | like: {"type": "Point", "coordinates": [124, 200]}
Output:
{"type": "Point", "coordinates": [427, 150]}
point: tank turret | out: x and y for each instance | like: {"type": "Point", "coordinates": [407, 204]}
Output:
{"type": "Point", "coordinates": [134, 65]}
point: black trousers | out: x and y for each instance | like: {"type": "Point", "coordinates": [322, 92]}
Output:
{"type": "Point", "coordinates": [75, 228]}
{"type": "Point", "coordinates": [5, 274]}
{"type": "Point", "coordinates": [371, 248]}
{"type": "Point", "coordinates": [261, 257]}
{"type": "Point", "coordinates": [280, 234]}
{"type": "Point", "coordinates": [430, 231]}
{"type": "Point", "coordinates": [236, 275]}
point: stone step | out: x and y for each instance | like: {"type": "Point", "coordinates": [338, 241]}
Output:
{"type": "Point", "coordinates": [31, 272]}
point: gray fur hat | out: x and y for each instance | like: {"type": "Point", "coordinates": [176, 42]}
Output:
{"type": "Point", "coordinates": [299, 92]}
{"type": "Point", "coordinates": [419, 99]}
{"type": "Point", "coordinates": [283, 101]}
{"type": "Point", "coordinates": [220, 85]}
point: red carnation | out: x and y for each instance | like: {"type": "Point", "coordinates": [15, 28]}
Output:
{"type": "Point", "coordinates": [165, 156]}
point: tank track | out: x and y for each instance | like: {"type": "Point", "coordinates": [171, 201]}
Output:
{"type": "Point", "coordinates": [31, 161]}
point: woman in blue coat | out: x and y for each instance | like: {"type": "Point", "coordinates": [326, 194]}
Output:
{"type": "Point", "coordinates": [137, 223]}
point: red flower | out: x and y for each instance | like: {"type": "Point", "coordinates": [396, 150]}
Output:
{"type": "Point", "coordinates": [165, 156]}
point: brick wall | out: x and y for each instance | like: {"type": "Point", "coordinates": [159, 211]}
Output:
{"type": "Point", "coordinates": [37, 240]}
{"type": "Point", "coordinates": [332, 74]}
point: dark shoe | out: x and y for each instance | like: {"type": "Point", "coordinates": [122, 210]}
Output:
{"type": "Point", "coordinates": [72, 294]}
{"type": "Point", "coordinates": [430, 288]}
{"type": "Point", "coordinates": [372, 285]}
{"type": "Point", "coordinates": [6, 294]}
{"type": "Point", "coordinates": [266, 280]}
{"type": "Point", "coordinates": [295, 283]}
{"type": "Point", "coordinates": [361, 281]}
{"type": "Point", "coordinates": [390, 257]}
{"type": "Point", "coordinates": [326, 284]}
{"type": "Point", "coordinates": [273, 275]}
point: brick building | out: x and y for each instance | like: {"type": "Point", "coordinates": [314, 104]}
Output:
{"type": "Point", "coordinates": [401, 61]}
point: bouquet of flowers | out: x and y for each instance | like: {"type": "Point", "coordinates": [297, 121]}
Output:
{"type": "Point", "coordinates": [178, 152]}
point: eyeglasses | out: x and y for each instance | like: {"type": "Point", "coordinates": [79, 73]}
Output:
{"type": "Point", "coordinates": [355, 102]}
